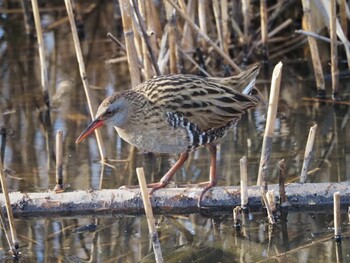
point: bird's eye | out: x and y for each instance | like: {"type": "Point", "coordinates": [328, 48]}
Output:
{"type": "Point", "coordinates": [108, 113]}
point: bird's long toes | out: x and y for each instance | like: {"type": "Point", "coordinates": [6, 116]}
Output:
{"type": "Point", "coordinates": [210, 185]}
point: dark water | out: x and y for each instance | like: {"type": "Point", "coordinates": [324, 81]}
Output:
{"type": "Point", "coordinates": [29, 155]}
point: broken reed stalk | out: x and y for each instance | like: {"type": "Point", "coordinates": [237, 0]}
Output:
{"type": "Point", "coordinates": [334, 50]}
{"type": "Point", "coordinates": [308, 22]}
{"type": "Point", "coordinates": [131, 52]}
{"type": "Point", "coordinates": [270, 126]}
{"type": "Point", "coordinates": [336, 211]}
{"type": "Point", "coordinates": [263, 22]}
{"type": "Point", "coordinates": [41, 49]}
{"type": "Point", "coordinates": [244, 181]}
{"type": "Point", "coordinates": [197, 30]}
{"type": "Point", "coordinates": [13, 240]}
{"type": "Point", "coordinates": [149, 215]}
{"type": "Point", "coordinates": [308, 153]}
{"type": "Point", "coordinates": [282, 189]}
{"type": "Point", "coordinates": [59, 162]}
{"type": "Point", "coordinates": [83, 74]}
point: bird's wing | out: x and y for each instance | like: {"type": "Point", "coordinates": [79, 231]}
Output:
{"type": "Point", "coordinates": [206, 102]}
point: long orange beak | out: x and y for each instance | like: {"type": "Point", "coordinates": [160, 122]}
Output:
{"type": "Point", "coordinates": [93, 126]}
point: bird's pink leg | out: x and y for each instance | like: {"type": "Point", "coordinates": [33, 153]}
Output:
{"type": "Point", "coordinates": [167, 177]}
{"type": "Point", "coordinates": [212, 175]}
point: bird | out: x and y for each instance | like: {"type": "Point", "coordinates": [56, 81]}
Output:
{"type": "Point", "coordinates": [178, 113]}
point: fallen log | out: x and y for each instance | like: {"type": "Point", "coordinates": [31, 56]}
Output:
{"type": "Point", "coordinates": [310, 197]}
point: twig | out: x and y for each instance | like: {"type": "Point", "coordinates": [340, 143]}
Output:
{"type": "Point", "coordinates": [83, 74]}
{"type": "Point", "coordinates": [336, 211]}
{"type": "Point", "coordinates": [59, 162]}
{"type": "Point", "coordinates": [308, 153]}
{"type": "Point", "coordinates": [334, 50]}
{"type": "Point", "coordinates": [14, 240]}
{"type": "Point", "coordinates": [244, 176]}
{"type": "Point", "coordinates": [316, 36]}
{"type": "Point", "coordinates": [149, 214]}
{"type": "Point", "coordinates": [116, 40]}
{"type": "Point", "coordinates": [204, 36]}
{"type": "Point", "coordinates": [270, 126]}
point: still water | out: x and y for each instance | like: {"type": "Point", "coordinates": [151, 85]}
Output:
{"type": "Point", "coordinates": [29, 157]}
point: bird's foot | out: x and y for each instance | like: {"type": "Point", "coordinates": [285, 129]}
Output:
{"type": "Point", "coordinates": [208, 185]}
{"type": "Point", "coordinates": [157, 186]}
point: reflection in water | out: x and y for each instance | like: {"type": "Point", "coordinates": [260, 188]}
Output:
{"type": "Point", "coordinates": [125, 239]}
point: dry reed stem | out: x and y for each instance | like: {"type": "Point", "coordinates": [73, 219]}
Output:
{"type": "Point", "coordinates": [270, 217]}
{"type": "Point", "coordinates": [202, 20]}
{"type": "Point", "coordinates": [334, 50]}
{"type": "Point", "coordinates": [308, 153]}
{"type": "Point", "coordinates": [26, 17]}
{"type": "Point", "coordinates": [281, 180]}
{"type": "Point", "coordinates": [170, 15]}
{"type": "Point", "coordinates": [313, 48]}
{"type": "Point", "coordinates": [133, 60]}
{"type": "Point", "coordinates": [218, 22]}
{"type": "Point", "coordinates": [271, 34]}
{"type": "Point", "coordinates": [336, 211]}
{"type": "Point", "coordinates": [246, 20]}
{"type": "Point", "coordinates": [41, 49]}
{"type": "Point", "coordinates": [146, 44]}
{"type": "Point", "coordinates": [225, 28]}
{"type": "Point", "coordinates": [237, 217]}
{"type": "Point", "coordinates": [342, 13]}
{"type": "Point", "coordinates": [271, 199]}
{"type": "Point", "coordinates": [149, 215]}
{"type": "Point", "coordinates": [83, 74]}
{"type": "Point", "coordinates": [59, 161]}
{"type": "Point", "coordinates": [187, 40]}
{"type": "Point", "coordinates": [205, 37]}
{"type": "Point", "coordinates": [14, 239]}
{"type": "Point", "coordinates": [190, 59]}
{"type": "Point", "coordinates": [7, 236]}
{"type": "Point", "coordinates": [270, 126]}
{"type": "Point", "coordinates": [244, 181]}
{"type": "Point", "coordinates": [263, 21]}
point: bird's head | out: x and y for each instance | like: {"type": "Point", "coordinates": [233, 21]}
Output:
{"type": "Point", "coordinates": [114, 110]}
